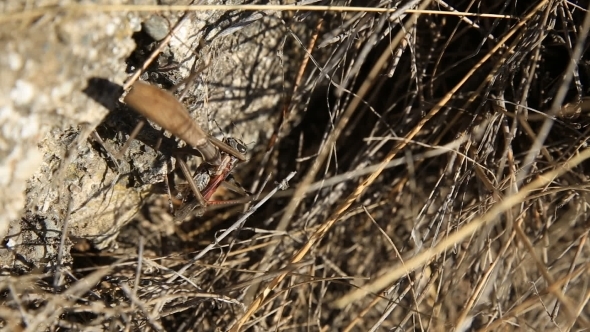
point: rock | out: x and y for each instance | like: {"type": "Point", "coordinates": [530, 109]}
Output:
{"type": "Point", "coordinates": [56, 171]}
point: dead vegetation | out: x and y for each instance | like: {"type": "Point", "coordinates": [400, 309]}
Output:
{"type": "Point", "coordinates": [441, 170]}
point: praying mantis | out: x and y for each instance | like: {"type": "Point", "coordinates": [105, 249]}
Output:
{"type": "Point", "coordinates": [219, 156]}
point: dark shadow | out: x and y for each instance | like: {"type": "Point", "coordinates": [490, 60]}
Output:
{"type": "Point", "coordinates": [104, 92]}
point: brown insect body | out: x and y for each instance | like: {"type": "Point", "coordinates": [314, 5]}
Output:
{"type": "Point", "coordinates": [164, 109]}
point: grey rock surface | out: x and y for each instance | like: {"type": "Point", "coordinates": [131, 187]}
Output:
{"type": "Point", "coordinates": [55, 173]}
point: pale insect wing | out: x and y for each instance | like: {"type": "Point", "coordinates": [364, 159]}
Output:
{"type": "Point", "coordinates": [227, 148]}
{"type": "Point", "coordinates": [184, 211]}
{"type": "Point", "coordinates": [202, 180]}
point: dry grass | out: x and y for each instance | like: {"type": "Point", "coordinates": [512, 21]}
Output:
{"type": "Point", "coordinates": [441, 178]}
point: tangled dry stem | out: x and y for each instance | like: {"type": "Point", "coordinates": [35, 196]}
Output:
{"type": "Point", "coordinates": [451, 209]}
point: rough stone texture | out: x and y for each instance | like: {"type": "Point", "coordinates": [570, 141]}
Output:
{"type": "Point", "coordinates": [50, 169]}
{"type": "Point", "coordinates": [45, 63]}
